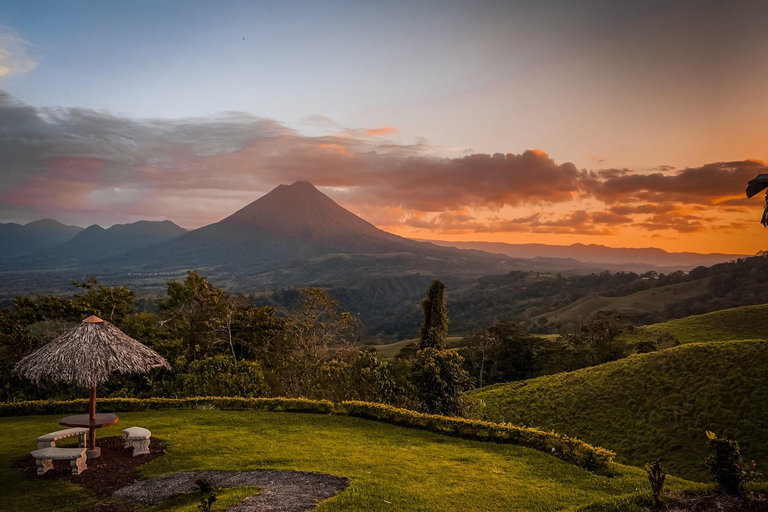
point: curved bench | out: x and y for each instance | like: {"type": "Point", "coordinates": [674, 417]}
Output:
{"type": "Point", "coordinates": [49, 440]}
{"type": "Point", "coordinates": [138, 439]}
{"type": "Point", "coordinates": [46, 456]}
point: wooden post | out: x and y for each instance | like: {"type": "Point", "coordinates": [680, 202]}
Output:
{"type": "Point", "coordinates": [92, 406]}
{"type": "Point", "coordinates": [92, 416]}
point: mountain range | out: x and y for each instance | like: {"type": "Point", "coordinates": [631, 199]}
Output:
{"type": "Point", "coordinates": [294, 235]}
{"type": "Point", "coordinates": [600, 254]}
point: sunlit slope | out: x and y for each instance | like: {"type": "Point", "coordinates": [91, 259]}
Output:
{"type": "Point", "coordinates": [652, 405]}
{"type": "Point", "coordinates": [743, 323]}
{"type": "Point", "coordinates": [645, 301]}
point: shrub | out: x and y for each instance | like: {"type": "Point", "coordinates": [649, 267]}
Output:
{"type": "Point", "coordinates": [726, 465]}
{"type": "Point", "coordinates": [657, 475]}
{"type": "Point", "coordinates": [440, 380]}
{"type": "Point", "coordinates": [208, 490]}
{"type": "Point", "coordinates": [223, 376]}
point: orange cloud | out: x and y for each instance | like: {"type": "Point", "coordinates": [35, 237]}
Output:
{"type": "Point", "coordinates": [338, 148]}
{"type": "Point", "coordinates": [380, 132]}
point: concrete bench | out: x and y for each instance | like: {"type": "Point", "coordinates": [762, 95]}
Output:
{"type": "Point", "coordinates": [138, 439]}
{"type": "Point", "coordinates": [49, 440]}
{"type": "Point", "coordinates": [46, 456]}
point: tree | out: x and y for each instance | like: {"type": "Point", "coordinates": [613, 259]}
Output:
{"type": "Point", "coordinates": [440, 380]}
{"type": "Point", "coordinates": [435, 326]}
{"type": "Point", "coordinates": [223, 376]}
{"type": "Point", "coordinates": [193, 312]}
{"type": "Point", "coordinates": [598, 338]}
{"type": "Point", "coordinates": [480, 348]}
{"type": "Point", "coordinates": [318, 324]}
{"type": "Point", "coordinates": [500, 353]}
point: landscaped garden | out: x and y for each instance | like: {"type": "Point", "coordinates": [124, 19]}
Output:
{"type": "Point", "coordinates": [390, 467]}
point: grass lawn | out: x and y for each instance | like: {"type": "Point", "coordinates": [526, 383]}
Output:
{"type": "Point", "coordinates": [391, 468]}
{"type": "Point", "coordinates": [652, 405]}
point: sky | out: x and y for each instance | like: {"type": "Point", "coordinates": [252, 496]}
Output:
{"type": "Point", "coordinates": [627, 124]}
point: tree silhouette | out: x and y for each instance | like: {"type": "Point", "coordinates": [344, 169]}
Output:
{"type": "Point", "coordinates": [435, 326]}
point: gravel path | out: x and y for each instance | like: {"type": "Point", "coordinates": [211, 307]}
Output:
{"type": "Point", "coordinates": [282, 491]}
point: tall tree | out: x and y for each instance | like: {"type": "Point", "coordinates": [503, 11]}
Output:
{"type": "Point", "coordinates": [435, 326]}
{"type": "Point", "coordinates": [193, 312]}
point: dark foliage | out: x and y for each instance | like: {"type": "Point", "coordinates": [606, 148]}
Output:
{"type": "Point", "coordinates": [504, 353]}
{"type": "Point", "coordinates": [726, 465]}
{"type": "Point", "coordinates": [435, 327]}
{"type": "Point", "coordinates": [440, 380]}
{"type": "Point", "coordinates": [657, 475]}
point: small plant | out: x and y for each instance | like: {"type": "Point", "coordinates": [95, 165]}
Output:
{"type": "Point", "coordinates": [727, 467]}
{"type": "Point", "coordinates": [209, 494]}
{"type": "Point", "coordinates": [657, 475]}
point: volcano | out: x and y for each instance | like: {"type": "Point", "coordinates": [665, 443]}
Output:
{"type": "Point", "coordinates": [298, 229]}
{"type": "Point", "coordinates": [302, 212]}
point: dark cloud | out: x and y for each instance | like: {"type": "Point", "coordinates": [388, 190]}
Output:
{"type": "Point", "coordinates": [699, 185]}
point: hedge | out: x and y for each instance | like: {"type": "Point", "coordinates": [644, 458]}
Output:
{"type": "Point", "coordinates": [567, 448]}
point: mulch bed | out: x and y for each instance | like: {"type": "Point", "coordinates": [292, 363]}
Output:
{"type": "Point", "coordinates": [105, 474]}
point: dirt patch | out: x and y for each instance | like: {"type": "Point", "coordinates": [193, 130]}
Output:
{"type": "Point", "coordinates": [755, 502]}
{"type": "Point", "coordinates": [105, 474]}
{"type": "Point", "coordinates": [282, 491]}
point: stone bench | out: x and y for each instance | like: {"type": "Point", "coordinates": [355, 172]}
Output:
{"type": "Point", "coordinates": [49, 440]}
{"type": "Point", "coordinates": [138, 439]}
{"type": "Point", "coordinates": [46, 456]}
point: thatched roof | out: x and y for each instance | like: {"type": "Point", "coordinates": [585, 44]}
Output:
{"type": "Point", "coordinates": [88, 354]}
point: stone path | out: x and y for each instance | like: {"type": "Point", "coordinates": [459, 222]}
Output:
{"type": "Point", "coordinates": [282, 491]}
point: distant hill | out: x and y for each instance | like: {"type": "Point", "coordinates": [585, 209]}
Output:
{"type": "Point", "coordinates": [625, 257]}
{"type": "Point", "coordinates": [19, 240]}
{"type": "Point", "coordinates": [742, 323]}
{"type": "Point", "coordinates": [95, 243]}
{"type": "Point", "coordinates": [652, 405]}
{"type": "Point", "coordinates": [632, 305]}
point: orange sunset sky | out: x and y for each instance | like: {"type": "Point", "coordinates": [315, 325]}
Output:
{"type": "Point", "coordinates": [630, 124]}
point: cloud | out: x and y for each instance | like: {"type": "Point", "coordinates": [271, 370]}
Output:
{"type": "Point", "coordinates": [380, 132]}
{"type": "Point", "coordinates": [699, 185]}
{"type": "Point", "coordinates": [15, 58]}
{"type": "Point", "coordinates": [87, 166]}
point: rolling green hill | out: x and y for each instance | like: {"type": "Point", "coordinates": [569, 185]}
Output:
{"type": "Point", "coordinates": [390, 467]}
{"type": "Point", "coordinates": [652, 405]}
{"type": "Point", "coordinates": [743, 323]}
{"type": "Point", "coordinates": [645, 301]}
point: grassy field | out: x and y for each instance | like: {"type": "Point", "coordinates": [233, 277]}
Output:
{"type": "Point", "coordinates": [646, 301]}
{"type": "Point", "coordinates": [743, 323]}
{"type": "Point", "coordinates": [652, 405]}
{"type": "Point", "coordinates": [390, 350]}
{"type": "Point", "coordinates": [391, 468]}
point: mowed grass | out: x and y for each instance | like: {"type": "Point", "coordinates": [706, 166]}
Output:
{"type": "Point", "coordinates": [650, 406]}
{"type": "Point", "coordinates": [391, 468]}
{"type": "Point", "coordinates": [742, 323]}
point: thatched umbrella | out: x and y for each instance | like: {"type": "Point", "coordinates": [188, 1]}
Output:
{"type": "Point", "coordinates": [87, 355]}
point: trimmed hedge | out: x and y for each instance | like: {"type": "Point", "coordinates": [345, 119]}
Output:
{"type": "Point", "coordinates": [567, 448]}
